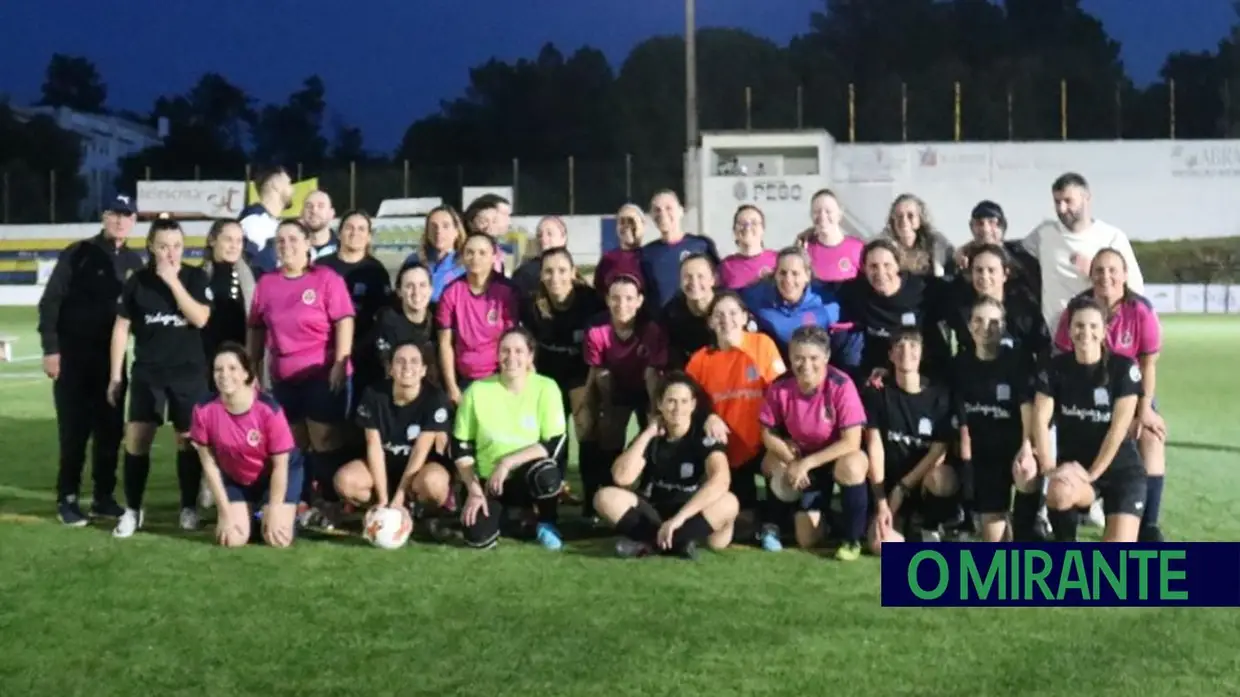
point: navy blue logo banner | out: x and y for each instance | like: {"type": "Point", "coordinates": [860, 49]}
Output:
{"type": "Point", "coordinates": [1198, 574]}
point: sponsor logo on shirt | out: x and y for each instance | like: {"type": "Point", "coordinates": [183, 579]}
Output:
{"type": "Point", "coordinates": [166, 319]}
{"type": "Point", "coordinates": [398, 449]}
{"type": "Point", "coordinates": [1097, 416]}
{"type": "Point", "coordinates": [441, 415]}
{"type": "Point", "coordinates": [906, 439]}
{"type": "Point", "coordinates": [994, 412]}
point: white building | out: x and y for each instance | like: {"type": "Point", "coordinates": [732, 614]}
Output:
{"type": "Point", "coordinates": [105, 140]}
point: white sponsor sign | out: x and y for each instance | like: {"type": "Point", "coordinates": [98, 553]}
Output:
{"type": "Point", "coordinates": [210, 199]}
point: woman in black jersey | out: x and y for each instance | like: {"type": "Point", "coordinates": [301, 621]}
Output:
{"type": "Point", "coordinates": [1091, 394]}
{"type": "Point", "coordinates": [369, 286]}
{"type": "Point", "coordinates": [908, 430]}
{"type": "Point", "coordinates": [165, 305]}
{"type": "Point", "coordinates": [685, 318]}
{"type": "Point", "coordinates": [557, 314]}
{"type": "Point", "coordinates": [994, 407]}
{"type": "Point", "coordinates": [680, 480]}
{"type": "Point", "coordinates": [406, 423]}
{"type": "Point", "coordinates": [232, 287]}
{"type": "Point", "coordinates": [882, 302]}
{"type": "Point", "coordinates": [410, 321]}
{"type": "Point", "coordinates": [988, 269]}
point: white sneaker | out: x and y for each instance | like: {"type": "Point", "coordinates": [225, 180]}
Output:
{"type": "Point", "coordinates": [129, 523]}
{"type": "Point", "coordinates": [205, 499]}
{"type": "Point", "coordinates": [189, 519]}
{"type": "Point", "coordinates": [1096, 519]}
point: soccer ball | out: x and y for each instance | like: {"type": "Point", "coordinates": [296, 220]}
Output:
{"type": "Point", "coordinates": [783, 489]}
{"type": "Point", "coordinates": [387, 528]}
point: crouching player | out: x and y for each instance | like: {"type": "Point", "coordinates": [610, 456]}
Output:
{"type": "Point", "coordinates": [506, 439]}
{"type": "Point", "coordinates": [1092, 396]}
{"type": "Point", "coordinates": [244, 442]}
{"type": "Point", "coordinates": [909, 427]}
{"type": "Point", "coordinates": [406, 424]}
{"type": "Point", "coordinates": [683, 478]}
{"type": "Point", "coordinates": [812, 424]}
{"type": "Point", "coordinates": [994, 404]}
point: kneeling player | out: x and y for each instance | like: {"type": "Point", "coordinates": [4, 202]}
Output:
{"type": "Point", "coordinates": [994, 403]}
{"type": "Point", "coordinates": [812, 422]}
{"type": "Point", "coordinates": [1092, 396]}
{"type": "Point", "coordinates": [909, 427]}
{"type": "Point", "coordinates": [506, 439]}
{"type": "Point", "coordinates": [244, 443]}
{"type": "Point", "coordinates": [406, 425]}
{"type": "Point", "coordinates": [684, 481]}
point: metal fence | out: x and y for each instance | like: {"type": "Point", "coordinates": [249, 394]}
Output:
{"type": "Point", "coordinates": [889, 112]}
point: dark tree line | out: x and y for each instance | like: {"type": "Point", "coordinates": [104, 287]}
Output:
{"type": "Point", "coordinates": [897, 62]}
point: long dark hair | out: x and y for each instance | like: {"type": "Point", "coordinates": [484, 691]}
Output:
{"type": "Point", "coordinates": [1083, 303]}
{"type": "Point", "coordinates": [542, 299]}
{"type": "Point", "coordinates": [162, 224]}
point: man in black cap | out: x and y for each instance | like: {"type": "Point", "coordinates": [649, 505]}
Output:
{"type": "Point", "coordinates": [76, 314]}
{"type": "Point", "coordinates": [989, 226]}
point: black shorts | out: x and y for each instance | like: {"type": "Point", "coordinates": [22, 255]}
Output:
{"type": "Point", "coordinates": [153, 400]}
{"type": "Point", "coordinates": [992, 485]}
{"type": "Point", "coordinates": [744, 483]}
{"type": "Point", "coordinates": [659, 509]}
{"type": "Point", "coordinates": [1122, 490]}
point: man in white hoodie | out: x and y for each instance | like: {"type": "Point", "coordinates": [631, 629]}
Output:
{"type": "Point", "coordinates": [1065, 248]}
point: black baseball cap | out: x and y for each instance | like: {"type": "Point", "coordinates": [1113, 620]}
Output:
{"type": "Point", "coordinates": [121, 204]}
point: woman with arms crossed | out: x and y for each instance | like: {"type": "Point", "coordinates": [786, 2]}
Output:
{"type": "Point", "coordinates": [1092, 396]}
{"type": "Point", "coordinates": [244, 442]}
{"type": "Point", "coordinates": [812, 422]}
{"type": "Point", "coordinates": [681, 479]}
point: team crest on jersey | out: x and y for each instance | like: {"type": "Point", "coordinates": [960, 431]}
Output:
{"type": "Point", "coordinates": [209, 295]}
{"type": "Point", "coordinates": [908, 319]}
{"type": "Point", "coordinates": [362, 411]}
{"type": "Point", "coordinates": [808, 319]}
{"type": "Point", "coordinates": [309, 296]}
{"type": "Point", "coordinates": [1125, 339]}
{"type": "Point", "coordinates": [253, 437]}
{"type": "Point", "coordinates": [686, 470]}
{"type": "Point", "coordinates": [751, 374]}
{"type": "Point", "coordinates": [924, 427]}
{"type": "Point", "coordinates": [709, 442]}
{"type": "Point", "coordinates": [1003, 393]}
{"type": "Point", "coordinates": [359, 289]}
{"type": "Point", "coordinates": [493, 316]}
{"type": "Point", "coordinates": [413, 432]}
{"type": "Point", "coordinates": [845, 265]}
{"type": "Point", "coordinates": [1102, 398]}
{"type": "Point", "coordinates": [529, 422]}
{"type": "Point", "coordinates": [1134, 373]}
{"type": "Point", "coordinates": [441, 415]}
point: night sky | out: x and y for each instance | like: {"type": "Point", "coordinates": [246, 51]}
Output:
{"type": "Point", "coordinates": [388, 62]}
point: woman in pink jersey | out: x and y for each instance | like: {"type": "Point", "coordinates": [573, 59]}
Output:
{"type": "Point", "coordinates": [626, 259]}
{"type": "Point", "coordinates": [835, 256]}
{"type": "Point", "coordinates": [752, 262]}
{"type": "Point", "coordinates": [626, 356]}
{"type": "Point", "coordinates": [1133, 331]}
{"type": "Point", "coordinates": [812, 422]}
{"type": "Point", "coordinates": [245, 444]}
{"type": "Point", "coordinates": [302, 318]}
{"type": "Point", "coordinates": [474, 312]}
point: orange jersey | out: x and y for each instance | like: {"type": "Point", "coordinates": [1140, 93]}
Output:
{"type": "Point", "coordinates": [736, 381]}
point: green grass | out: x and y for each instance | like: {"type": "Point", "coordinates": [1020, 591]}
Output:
{"type": "Point", "coordinates": [164, 614]}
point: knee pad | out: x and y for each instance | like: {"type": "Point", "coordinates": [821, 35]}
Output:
{"type": "Point", "coordinates": [543, 479]}
{"type": "Point", "coordinates": [484, 533]}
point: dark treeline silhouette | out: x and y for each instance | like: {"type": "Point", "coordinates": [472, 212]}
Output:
{"type": "Point", "coordinates": [574, 133]}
